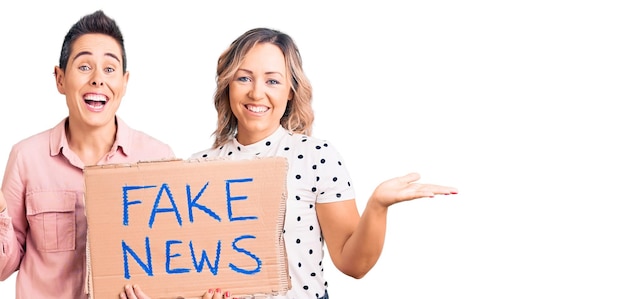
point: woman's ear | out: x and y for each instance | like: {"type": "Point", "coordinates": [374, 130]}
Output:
{"type": "Point", "coordinates": [59, 77]}
{"type": "Point", "coordinates": [126, 76]}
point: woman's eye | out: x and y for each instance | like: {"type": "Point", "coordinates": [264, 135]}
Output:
{"type": "Point", "coordinates": [272, 82]}
{"type": "Point", "coordinates": [243, 79]}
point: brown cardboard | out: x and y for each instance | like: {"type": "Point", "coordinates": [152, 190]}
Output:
{"type": "Point", "coordinates": [252, 258]}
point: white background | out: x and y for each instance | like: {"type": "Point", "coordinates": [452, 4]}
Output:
{"type": "Point", "coordinates": [518, 104]}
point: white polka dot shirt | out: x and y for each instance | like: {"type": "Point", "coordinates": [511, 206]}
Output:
{"type": "Point", "coordinates": [316, 175]}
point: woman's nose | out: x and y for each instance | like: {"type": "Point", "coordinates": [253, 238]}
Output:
{"type": "Point", "coordinates": [96, 79]}
{"type": "Point", "coordinates": [256, 91]}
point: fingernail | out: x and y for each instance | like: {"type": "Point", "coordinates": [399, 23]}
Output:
{"type": "Point", "coordinates": [210, 291]}
{"type": "Point", "coordinates": [218, 290]}
{"type": "Point", "coordinates": [227, 294]}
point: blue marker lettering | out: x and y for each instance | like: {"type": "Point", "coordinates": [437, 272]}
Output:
{"type": "Point", "coordinates": [248, 253]}
{"type": "Point", "coordinates": [156, 209]}
{"type": "Point", "coordinates": [127, 203]}
{"type": "Point", "coordinates": [230, 198]}
{"type": "Point", "coordinates": [191, 203]}
{"type": "Point", "coordinates": [204, 259]}
{"type": "Point", "coordinates": [169, 256]}
{"type": "Point", "coordinates": [147, 267]}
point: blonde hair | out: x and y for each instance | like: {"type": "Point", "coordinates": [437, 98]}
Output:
{"type": "Point", "coordinates": [298, 117]}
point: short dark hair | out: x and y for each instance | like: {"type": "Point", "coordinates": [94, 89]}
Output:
{"type": "Point", "coordinates": [96, 22]}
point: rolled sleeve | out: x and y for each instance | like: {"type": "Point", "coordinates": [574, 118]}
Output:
{"type": "Point", "coordinates": [12, 226]}
{"type": "Point", "coordinates": [10, 253]}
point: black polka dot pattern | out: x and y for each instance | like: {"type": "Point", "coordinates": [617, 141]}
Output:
{"type": "Point", "coordinates": [316, 174]}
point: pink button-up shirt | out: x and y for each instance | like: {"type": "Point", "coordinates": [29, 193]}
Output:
{"type": "Point", "coordinates": [43, 231]}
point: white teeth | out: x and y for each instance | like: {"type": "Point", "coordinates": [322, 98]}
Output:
{"type": "Point", "coordinates": [257, 108]}
{"type": "Point", "coordinates": [95, 104]}
{"type": "Point", "coordinates": [96, 97]}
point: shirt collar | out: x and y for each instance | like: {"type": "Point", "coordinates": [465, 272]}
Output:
{"type": "Point", "coordinates": [262, 147]}
{"type": "Point", "coordinates": [58, 139]}
{"type": "Point", "coordinates": [123, 138]}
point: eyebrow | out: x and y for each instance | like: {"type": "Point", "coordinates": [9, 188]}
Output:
{"type": "Point", "coordinates": [266, 73]}
{"type": "Point", "coordinates": [89, 53]}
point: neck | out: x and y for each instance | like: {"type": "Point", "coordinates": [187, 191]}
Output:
{"type": "Point", "coordinates": [90, 143]}
{"type": "Point", "coordinates": [247, 137]}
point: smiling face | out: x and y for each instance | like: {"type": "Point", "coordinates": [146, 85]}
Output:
{"type": "Point", "coordinates": [259, 93]}
{"type": "Point", "coordinates": [93, 82]}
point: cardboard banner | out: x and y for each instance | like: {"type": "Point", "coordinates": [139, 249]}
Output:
{"type": "Point", "coordinates": [177, 228]}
